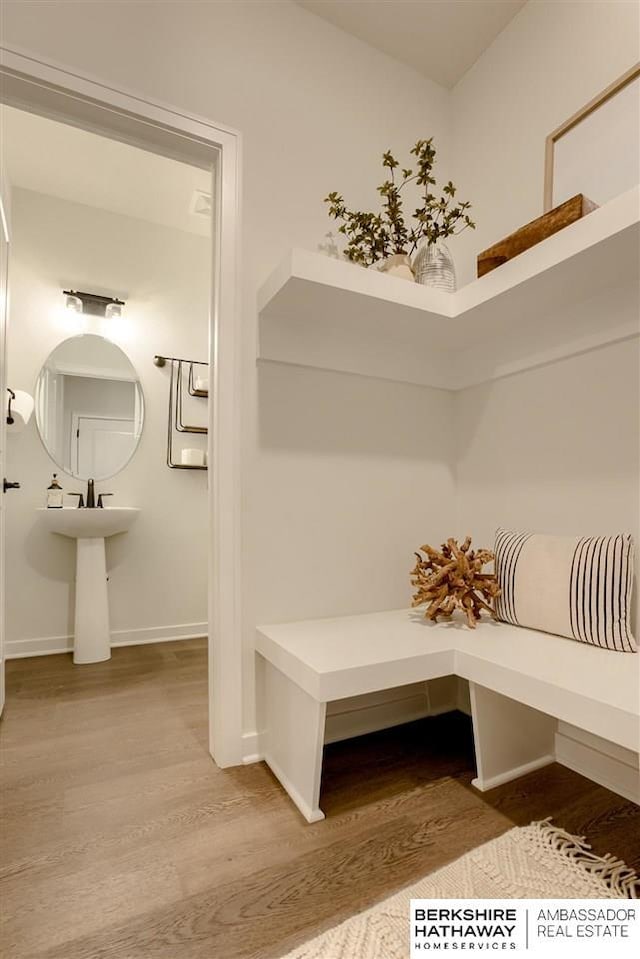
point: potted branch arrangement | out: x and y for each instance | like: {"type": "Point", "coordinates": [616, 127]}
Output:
{"type": "Point", "coordinates": [417, 251]}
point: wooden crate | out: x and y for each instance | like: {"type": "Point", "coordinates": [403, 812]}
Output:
{"type": "Point", "coordinates": [539, 229]}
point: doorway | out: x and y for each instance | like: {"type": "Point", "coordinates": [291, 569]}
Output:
{"type": "Point", "coordinates": [84, 105]}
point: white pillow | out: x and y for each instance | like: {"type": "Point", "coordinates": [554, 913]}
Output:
{"type": "Point", "coordinates": [572, 586]}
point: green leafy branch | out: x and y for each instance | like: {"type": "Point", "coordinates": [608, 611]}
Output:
{"type": "Point", "coordinates": [374, 236]}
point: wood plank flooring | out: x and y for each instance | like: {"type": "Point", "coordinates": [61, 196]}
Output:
{"type": "Point", "coordinates": [122, 840]}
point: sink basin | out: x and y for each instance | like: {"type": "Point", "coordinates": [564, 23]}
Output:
{"type": "Point", "coordinates": [92, 637]}
{"type": "Point", "coordinates": [89, 523]}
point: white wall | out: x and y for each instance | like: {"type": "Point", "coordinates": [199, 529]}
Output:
{"type": "Point", "coordinates": [316, 107]}
{"type": "Point", "coordinates": [349, 488]}
{"type": "Point", "coordinates": [553, 449]}
{"type": "Point", "coordinates": [549, 61]}
{"type": "Point", "coordinates": [163, 275]}
{"type": "Point", "coordinates": [342, 471]}
{"type": "Point", "coordinates": [556, 448]}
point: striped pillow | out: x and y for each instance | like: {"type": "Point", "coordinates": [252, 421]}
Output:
{"type": "Point", "coordinates": [572, 586]}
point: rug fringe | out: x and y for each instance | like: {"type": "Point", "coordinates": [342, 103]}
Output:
{"type": "Point", "coordinates": [614, 873]}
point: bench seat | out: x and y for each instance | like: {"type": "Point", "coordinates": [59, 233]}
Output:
{"type": "Point", "coordinates": [516, 675]}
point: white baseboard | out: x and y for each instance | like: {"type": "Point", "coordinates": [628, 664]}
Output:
{"type": "Point", "coordinates": [251, 748]}
{"type": "Point", "coordinates": [597, 759]}
{"type": "Point", "coordinates": [485, 784]}
{"type": "Point", "coordinates": [50, 645]}
{"type": "Point", "coordinates": [369, 719]}
{"type": "Point", "coordinates": [311, 815]}
{"type": "Point", "coordinates": [360, 715]}
{"type": "Point", "coordinates": [603, 762]}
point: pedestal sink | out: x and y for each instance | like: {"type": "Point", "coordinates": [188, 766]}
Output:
{"type": "Point", "coordinates": [90, 527]}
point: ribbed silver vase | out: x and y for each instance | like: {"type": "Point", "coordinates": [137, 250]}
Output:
{"type": "Point", "coordinates": [433, 266]}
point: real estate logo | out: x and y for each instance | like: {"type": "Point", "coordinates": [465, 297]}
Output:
{"type": "Point", "coordinates": [468, 925]}
{"type": "Point", "coordinates": [539, 927]}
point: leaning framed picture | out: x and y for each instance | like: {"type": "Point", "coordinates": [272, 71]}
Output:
{"type": "Point", "coordinates": [596, 151]}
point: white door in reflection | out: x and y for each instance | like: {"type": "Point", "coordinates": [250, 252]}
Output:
{"type": "Point", "coordinates": [101, 444]}
{"type": "Point", "coordinates": [89, 407]}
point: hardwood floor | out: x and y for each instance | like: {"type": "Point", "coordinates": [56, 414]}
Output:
{"type": "Point", "coordinates": [122, 840]}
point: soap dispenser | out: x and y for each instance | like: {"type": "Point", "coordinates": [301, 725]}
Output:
{"type": "Point", "coordinates": [55, 496]}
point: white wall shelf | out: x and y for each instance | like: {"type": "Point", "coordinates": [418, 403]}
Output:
{"type": "Point", "coordinates": [553, 301]}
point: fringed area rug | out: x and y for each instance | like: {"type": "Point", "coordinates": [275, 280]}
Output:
{"type": "Point", "coordinates": [538, 861]}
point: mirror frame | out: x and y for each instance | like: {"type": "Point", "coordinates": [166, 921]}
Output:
{"type": "Point", "coordinates": [141, 396]}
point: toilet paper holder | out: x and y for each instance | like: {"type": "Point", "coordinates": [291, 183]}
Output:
{"type": "Point", "coordinates": [22, 406]}
{"type": "Point", "coordinates": [12, 396]}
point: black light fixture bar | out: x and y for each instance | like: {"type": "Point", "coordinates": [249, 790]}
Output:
{"type": "Point", "coordinates": [94, 304]}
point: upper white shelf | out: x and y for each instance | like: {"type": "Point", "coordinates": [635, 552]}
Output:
{"type": "Point", "coordinates": [573, 292]}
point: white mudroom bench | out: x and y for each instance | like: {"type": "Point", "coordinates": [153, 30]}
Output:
{"type": "Point", "coordinates": [521, 683]}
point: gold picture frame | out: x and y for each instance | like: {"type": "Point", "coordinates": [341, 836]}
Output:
{"type": "Point", "coordinates": [628, 77]}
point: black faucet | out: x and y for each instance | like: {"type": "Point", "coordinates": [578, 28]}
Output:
{"type": "Point", "coordinates": [91, 497]}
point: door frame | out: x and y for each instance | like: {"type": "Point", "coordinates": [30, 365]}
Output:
{"type": "Point", "coordinates": [76, 417]}
{"type": "Point", "coordinates": [50, 90]}
{"type": "Point", "coordinates": [5, 253]}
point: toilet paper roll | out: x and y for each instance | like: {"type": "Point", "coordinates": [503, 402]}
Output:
{"type": "Point", "coordinates": [201, 384]}
{"type": "Point", "coordinates": [193, 457]}
{"type": "Point", "coordinates": [21, 410]}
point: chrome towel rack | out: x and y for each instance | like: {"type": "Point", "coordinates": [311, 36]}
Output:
{"type": "Point", "coordinates": [175, 422]}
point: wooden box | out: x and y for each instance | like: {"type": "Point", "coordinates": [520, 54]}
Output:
{"type": "Point", "coordinates": [539, 229]}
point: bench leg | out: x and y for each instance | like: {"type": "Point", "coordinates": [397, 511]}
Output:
{"type": "Point", "coordinates": [510, 739]}
{"type": "Point", "coordinates": [294, 739]}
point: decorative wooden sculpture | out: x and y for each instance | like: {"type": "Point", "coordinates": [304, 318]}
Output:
{"type": "Point", "coordinates": [451, 578]}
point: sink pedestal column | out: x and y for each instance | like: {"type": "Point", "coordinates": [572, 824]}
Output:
{"type": "Point", "coordinates": [91, 642]}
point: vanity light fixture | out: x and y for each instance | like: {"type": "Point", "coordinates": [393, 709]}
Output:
{"type": "Point", "coordinates": [74, 303]}
{"type": "Point", "coordinates": [93, 304]}
{"type": "Point", "coordinates": [113, 310]}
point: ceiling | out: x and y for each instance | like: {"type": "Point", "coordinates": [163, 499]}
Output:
{"type": "Point", "coordinates": [439, 38]}
{"type": "Point", "coordinates": [86, 168]}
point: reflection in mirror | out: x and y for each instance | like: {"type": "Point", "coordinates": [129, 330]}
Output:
{"type": "Point", "coordinates": [89, 407]}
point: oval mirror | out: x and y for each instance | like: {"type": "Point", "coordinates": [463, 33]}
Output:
{"type": "Point", "coordinates": [89, 407]}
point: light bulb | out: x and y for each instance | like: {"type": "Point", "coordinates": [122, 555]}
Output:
{"type": "Point", "coordinates": [74, 303]}
{"type": "Point", "coordinates": [113, 311]}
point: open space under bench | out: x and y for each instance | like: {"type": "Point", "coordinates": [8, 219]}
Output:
{"type": "Point", "coordinates": [521, 683]}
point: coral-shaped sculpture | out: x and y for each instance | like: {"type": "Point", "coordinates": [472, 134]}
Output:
{"type": "Point", "coordinates": [451, 578]}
